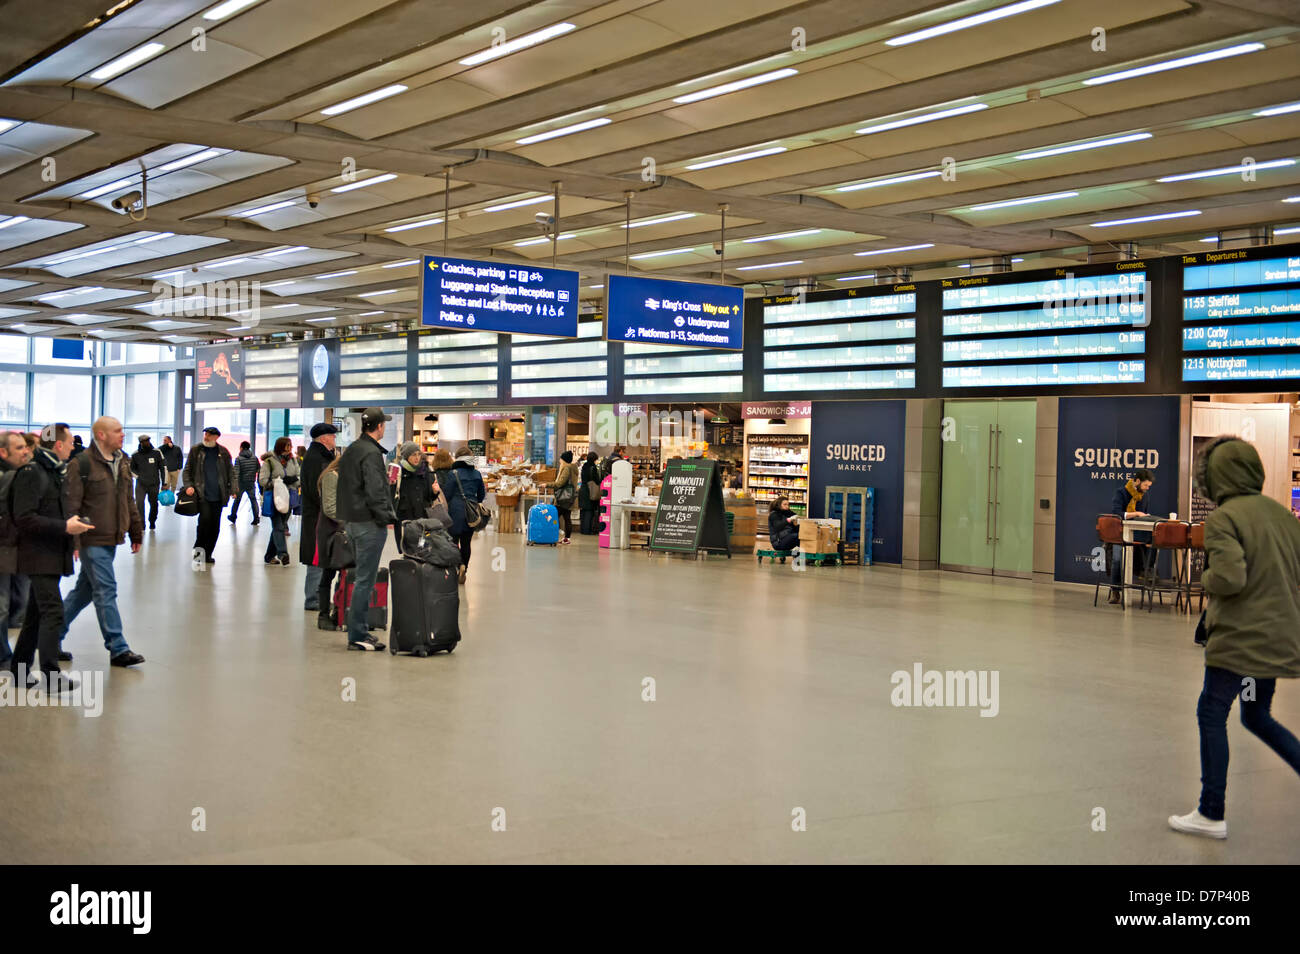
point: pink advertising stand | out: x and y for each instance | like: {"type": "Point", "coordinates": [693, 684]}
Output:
{"type": "Point", "coordinates": [606, 516]}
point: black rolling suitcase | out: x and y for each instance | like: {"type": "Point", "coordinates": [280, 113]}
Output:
{"type": "Point", "coordinates": [425, 608]}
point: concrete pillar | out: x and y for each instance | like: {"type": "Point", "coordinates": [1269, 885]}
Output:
{"type": "Point", "coordinates": [1045, 490]}
{"type": "Point", "coordinates": [990, 266]}
{"type": "Point", "coordinates": [923, 457]}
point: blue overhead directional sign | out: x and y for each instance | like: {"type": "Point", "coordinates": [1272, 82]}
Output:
{"type": "Point", "coordinates": [492, 296]}
{"type": "Point", "coordinates": [660, 311]}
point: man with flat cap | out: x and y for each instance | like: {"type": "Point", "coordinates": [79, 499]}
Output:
{"type": "Point", "coordinates": [317, 458]}
{"type": "Point", "coordinates": [209, 475]}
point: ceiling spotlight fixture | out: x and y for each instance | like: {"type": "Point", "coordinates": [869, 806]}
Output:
{"type": "Point", "coordinates": [901, 248]}
{"type": "Point", "coordinates": [519, 43]}
{"type": "Point", "coordinates": [915, 176]}
{"type": "Point", "coordinates": [564, 131]}
{"type": "Point", "coordinates": [356, 103]}
{"type": "Point", "coordinates": [415, 225]}
{"type": "Point", "coordinates": [1144, 218]}
{"type": "Point", "coordinates": [365, 182]}
{"type": "Point", "coordinates": [965, 23]}
{"type": "Point", "coordinates": [1082, 146]}
{"type": "Point", "coordinates": [741, 157]}
{"type": "Point", "coordinates": [1179, 63]}
{"type": "Point", "coordinates": [1027, 201]}
{"type": "Point", "coordinates": [924, 118]}
{"type": "Point", "coordinates": [732, 87]}
{"type": "Point", "coordinates": [1229, 170]}
{"type": "Point", "coordinates": [128, 60]}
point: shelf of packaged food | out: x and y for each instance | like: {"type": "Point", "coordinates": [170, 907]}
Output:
{"type": "Point", "coordinates": [783, 471]}
{"type": "Point", "coordinates": [795, 487]}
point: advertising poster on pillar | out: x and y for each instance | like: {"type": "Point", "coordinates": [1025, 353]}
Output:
{"type": "Point", "coordinates": [218, 376]}
{"type": "Point", "coordinates": [1101, 442]}
{"type": "Point", "coordinates": [860, 444]}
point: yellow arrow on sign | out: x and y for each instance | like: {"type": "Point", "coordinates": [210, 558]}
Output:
{"type": "Point", "coordinates": [735, 309]}
{"type": "Point", "coordinates": [433, 266]}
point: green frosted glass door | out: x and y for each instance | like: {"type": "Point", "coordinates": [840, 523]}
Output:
{"type": "Point", "coordinates": [966, 504]}
{"type": "Point", "coordinates": [986, 510]}
{"type": "Point", "coordinates": [1013, 490]}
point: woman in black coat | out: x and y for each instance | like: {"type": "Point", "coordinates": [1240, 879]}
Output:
{"type": "Point", "coordinates": [589, 507]}
{"type": "Point", "coordinates": [415, 489]}
{"type": "Point", "coordinates": [782, 526]}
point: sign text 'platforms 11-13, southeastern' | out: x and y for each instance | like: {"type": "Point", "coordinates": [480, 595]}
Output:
{"type": "Point", "coordinates": [494, 296]}
{"type": "Point", "coordinates": [661, 311]}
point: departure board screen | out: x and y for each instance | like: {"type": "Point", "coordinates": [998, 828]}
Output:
{"type": "Point", "coordinates": [1236, 305]}
{"type": "Point", "coordinates": [861, 339]}
{"type": "Point", "coordinates": [1058, 330]}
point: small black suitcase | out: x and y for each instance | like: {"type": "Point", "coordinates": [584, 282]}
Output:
{"type": "Point", "coordinates": [426, 608]}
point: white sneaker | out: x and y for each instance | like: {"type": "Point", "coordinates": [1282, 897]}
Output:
{"type": "Point", "coordinates": [1197, 824]}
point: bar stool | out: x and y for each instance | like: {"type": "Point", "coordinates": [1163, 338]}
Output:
{"type": "Point", "coordinates": [1110, 533]}
{"type": "Point", "coordinates": [1171, 535]}
{"type": "Point", "coordinates": [1195, 544]}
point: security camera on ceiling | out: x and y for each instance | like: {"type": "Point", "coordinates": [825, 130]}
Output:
{"type": "Point", "coordinates": [313, 199]}
{"type": "Point", "coordinates": [545, 222]}
{"type": "Point", "coordinates": [128, 201]}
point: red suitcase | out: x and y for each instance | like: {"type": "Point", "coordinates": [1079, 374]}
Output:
{"type": "Point", "coordinates": [377, 614]}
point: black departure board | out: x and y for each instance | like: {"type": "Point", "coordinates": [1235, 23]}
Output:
{"type": "Point", "coordinates": [1047, 329]}
{"type": "Point", "coordinates": [1241, 315]}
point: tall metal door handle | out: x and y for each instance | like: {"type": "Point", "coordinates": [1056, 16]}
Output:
{"type": "Point", "coordinates": [988, 505]}
{"type": "Point", "coordinates": [997, 487]}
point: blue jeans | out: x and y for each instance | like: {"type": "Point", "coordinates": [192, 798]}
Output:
{"type": "Point", "coordinates": [252, 499]}
{"type": "Point", "coordinates": [98, 583]}
{"type": "Point", "coordinates": [277, 546]}
{"type": "Point", "coordinates": [368, 540]}
{"type": "Point", "coordinates": [1221, 687]}
{"type": "Point", "coordinates": [311, 588]}
{"type": "Point", "coordinates": [13, 602]}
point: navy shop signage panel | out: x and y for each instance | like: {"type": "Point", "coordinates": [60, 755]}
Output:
{"type": "Point", "coordinates": [491, 296]}
{"type": "Point", "coordinates": [1100, 443]}
{"type": "Point", "coordinates": [860, 444]}
{"type": "Point", "coordinates": [660, 311]}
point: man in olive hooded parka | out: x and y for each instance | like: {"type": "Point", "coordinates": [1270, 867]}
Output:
{"type": "Point", "coordinates": [1252, 576]}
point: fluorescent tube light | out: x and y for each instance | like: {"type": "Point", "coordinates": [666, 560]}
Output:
{"type": "Point", "coordinates": [359, 101]}
{"type": "Point", "coordinates": [781, 235]}
{"type": "Point", "coordinates": [518, 203]}
{"type": "Point", "coordinates": [659, 221]}
{"type": "Point", "coordinates": [668, 251]}
{"type": "Point", "coordinates": [409, 261]}
{"type": "Point", "coordinates": [113, 186]}
{"type": "Point", "coordinates": [370, 294]}
{"type": "Point", "coordinates": [318, 278]}
{"type": "Point", "coordinates": [192, 159]}
{"type": "Point", "coordinates": [913, 177]}
{"type": "Point", "coordinates": [1026, 201]}
{"type": "Point", "coordinates": [1228, 170]}
{"type": "Point", "coordinates": [1175, 64]}
{"type": "Point", "coordinates": [965, 23]}
{"type": "Point", "coordinates": [1083, 146]}
{"type": "Point", "coordinates": [1271, 111]}
{"type": "Point", "coordinates": [750, 268]}
{"type": "Point", "coordinates": [223, 10]}
{"type": "Point", "coordinates": [564, 131]}
{"type": "Point", "coordinates": [855, 278]}
{"type": "Point", "coordinates": [542, 240]}
{"type": "Point", "coordinates": [7, 124]}
{"type": "Point", "coordinates": [13, 220]}
{"type": "Point", "coordinates": [925, 118]}
{"type": "Point", "coordinates": [285, 251]}
{"type": "Point", "coordinates": [519, 43]}
{"type": "Point", "coordinates": [741, 157]}
{"type": "Point", "coordinates": [415, 225]}
{"type": "Point", "coordinates": [1287, 231]}
{"type": "Point", "coordinates": [365, 182]}
{"type": "Point", "coordinates": [128, 60]}
{"type": "Point", "coordinates": [262, 209]}
{"type": "Point", "coordinates": [1144, 218]}
{"type": "Point", "coordinates": [735, 85]}
{"type": "Point", "coordinates": [901, 248]}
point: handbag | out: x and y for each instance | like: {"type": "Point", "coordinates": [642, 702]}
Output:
{"type": "Point", "coordinates": [187, 506]}
{"type": "Point", "coordinates": [564, 496]}
{"type": "Point", "coordinates": [593, 491]}
{"type": "Point", "coordinates": [166, 498]}
{"type": "Point", "coordinates": [438, 511]}
{"type": "Point", "coordinates": [268, 503]}
{"type": "Point", "coordinates": [1202, 634]}
{"type": "Point", "coordinates": [476, 515]}
{"type": "Point", "coordinates": [340, 552]}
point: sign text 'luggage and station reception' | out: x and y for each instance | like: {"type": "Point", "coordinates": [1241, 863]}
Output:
{"type": "Point", "coordinates": [660, 311]}
{"type": "Point", "coordinates": [494, 296]}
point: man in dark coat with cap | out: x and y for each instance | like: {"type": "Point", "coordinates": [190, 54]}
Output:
{"type": "Point", "coordinates": [317, 458]}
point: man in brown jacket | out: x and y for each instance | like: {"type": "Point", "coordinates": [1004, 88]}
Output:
{"type": "Point", "coordinates": [99, 491]}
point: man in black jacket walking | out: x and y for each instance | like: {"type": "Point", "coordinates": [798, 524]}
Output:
{"type": "Point", "coordinates": [247, 468]}
{"type": "Point", "coordinates": [365, 506]}
{"type": "Point", "coordinates": [150, 469]}
{"type": "Point", "coordinates": [317, 458]}
{"type": "Point", "coordinates": [210, 476]}
{"type": "Point", "coordinates": [44, 554]}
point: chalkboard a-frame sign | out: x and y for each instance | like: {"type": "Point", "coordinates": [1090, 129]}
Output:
{"type": "Point", "coordinates": [690, 516]}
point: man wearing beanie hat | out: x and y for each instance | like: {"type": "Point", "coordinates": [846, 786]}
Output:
{"type": "Point", "coordinates": [415, 492]}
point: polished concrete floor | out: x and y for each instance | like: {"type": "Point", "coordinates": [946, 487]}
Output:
{"type": "Point", "coordinates": [772, 693]}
